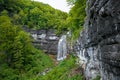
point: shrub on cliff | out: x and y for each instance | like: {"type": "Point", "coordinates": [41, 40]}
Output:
{"type": "Point", "coordinates": [75, 20]}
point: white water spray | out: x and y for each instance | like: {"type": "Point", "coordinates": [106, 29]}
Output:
{"type": "Point", "coordinates": [62, 48]}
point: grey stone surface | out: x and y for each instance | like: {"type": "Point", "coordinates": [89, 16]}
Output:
{"type": "Point", "coordinates": [99, 43]}
{"type": "Point", "coordinates": [45, 40]}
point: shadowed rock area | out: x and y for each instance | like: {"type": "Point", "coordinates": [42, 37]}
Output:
{"type": "Point", "coordinates": [46, 40]}
{"type": "Point", "coordinates": [99, 43]}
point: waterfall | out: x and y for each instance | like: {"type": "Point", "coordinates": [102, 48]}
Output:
{"type": "Point", "coordinates": [62, 48]}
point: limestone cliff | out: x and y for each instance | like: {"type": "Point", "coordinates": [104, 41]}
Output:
{"type": "Point", "coordinates": [99, 43]}
{"type": "Point", "coordinates": [46, 40]}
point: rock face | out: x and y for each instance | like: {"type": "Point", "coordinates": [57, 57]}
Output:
{"type": "Point", "coordinates": [99, 43]}
{"type": "Point", "coordinates": [46, 40]}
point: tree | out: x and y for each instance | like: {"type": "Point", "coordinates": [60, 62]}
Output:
{"type": "Point", "coordinates": [7, 35]}
{"type": "Point", "coordinates": [76, 16]}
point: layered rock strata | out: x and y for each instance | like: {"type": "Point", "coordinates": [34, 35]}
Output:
{"type": "Point", "coordinates": [98, 46]}
{"type": "Point", "coordinates": [46, 40]}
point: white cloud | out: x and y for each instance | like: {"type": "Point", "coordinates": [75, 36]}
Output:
{"type": "Point", "coordinates": [57, 4]}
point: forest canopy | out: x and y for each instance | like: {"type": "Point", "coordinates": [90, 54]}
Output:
{"type": "Point", "coordinates": [34, 15]}
{"type": "Point", "coordinates": [19, 60]}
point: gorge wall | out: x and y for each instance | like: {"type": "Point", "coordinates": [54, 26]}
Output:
{"type": "Point", "coordinates": [50, 42]}
{"type": "Point", "coordinates": [43, 39]}
{"type": "Point", "coordinates": [98, 46]}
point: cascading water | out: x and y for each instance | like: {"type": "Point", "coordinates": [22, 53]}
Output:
{"type": "Point", "coordinates": [62, 48]}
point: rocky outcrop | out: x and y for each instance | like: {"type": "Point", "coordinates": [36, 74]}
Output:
{"type": "Point", "coordinates": [46, 40]}
{"type": "Point", "coordinates": [99, 43]}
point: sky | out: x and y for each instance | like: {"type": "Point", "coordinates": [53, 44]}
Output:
{"type": "Point", "coordinates": [57, 4]}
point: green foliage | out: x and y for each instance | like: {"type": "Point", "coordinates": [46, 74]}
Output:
{"type": "Point", "coordinates": [35, 15]}
{"type": "Point", "coordinates": [77, 77]}
{"type": "Point", "coordinates": [31, 71]}
{"type": "Point", "coordinates": [61, 72]}
{"type": "Point", "coordinates": [6, 73]}
{"type": "Point", "coordinates": [75, 21]}
{"type": "Point", "coordinates": [19, 60]}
